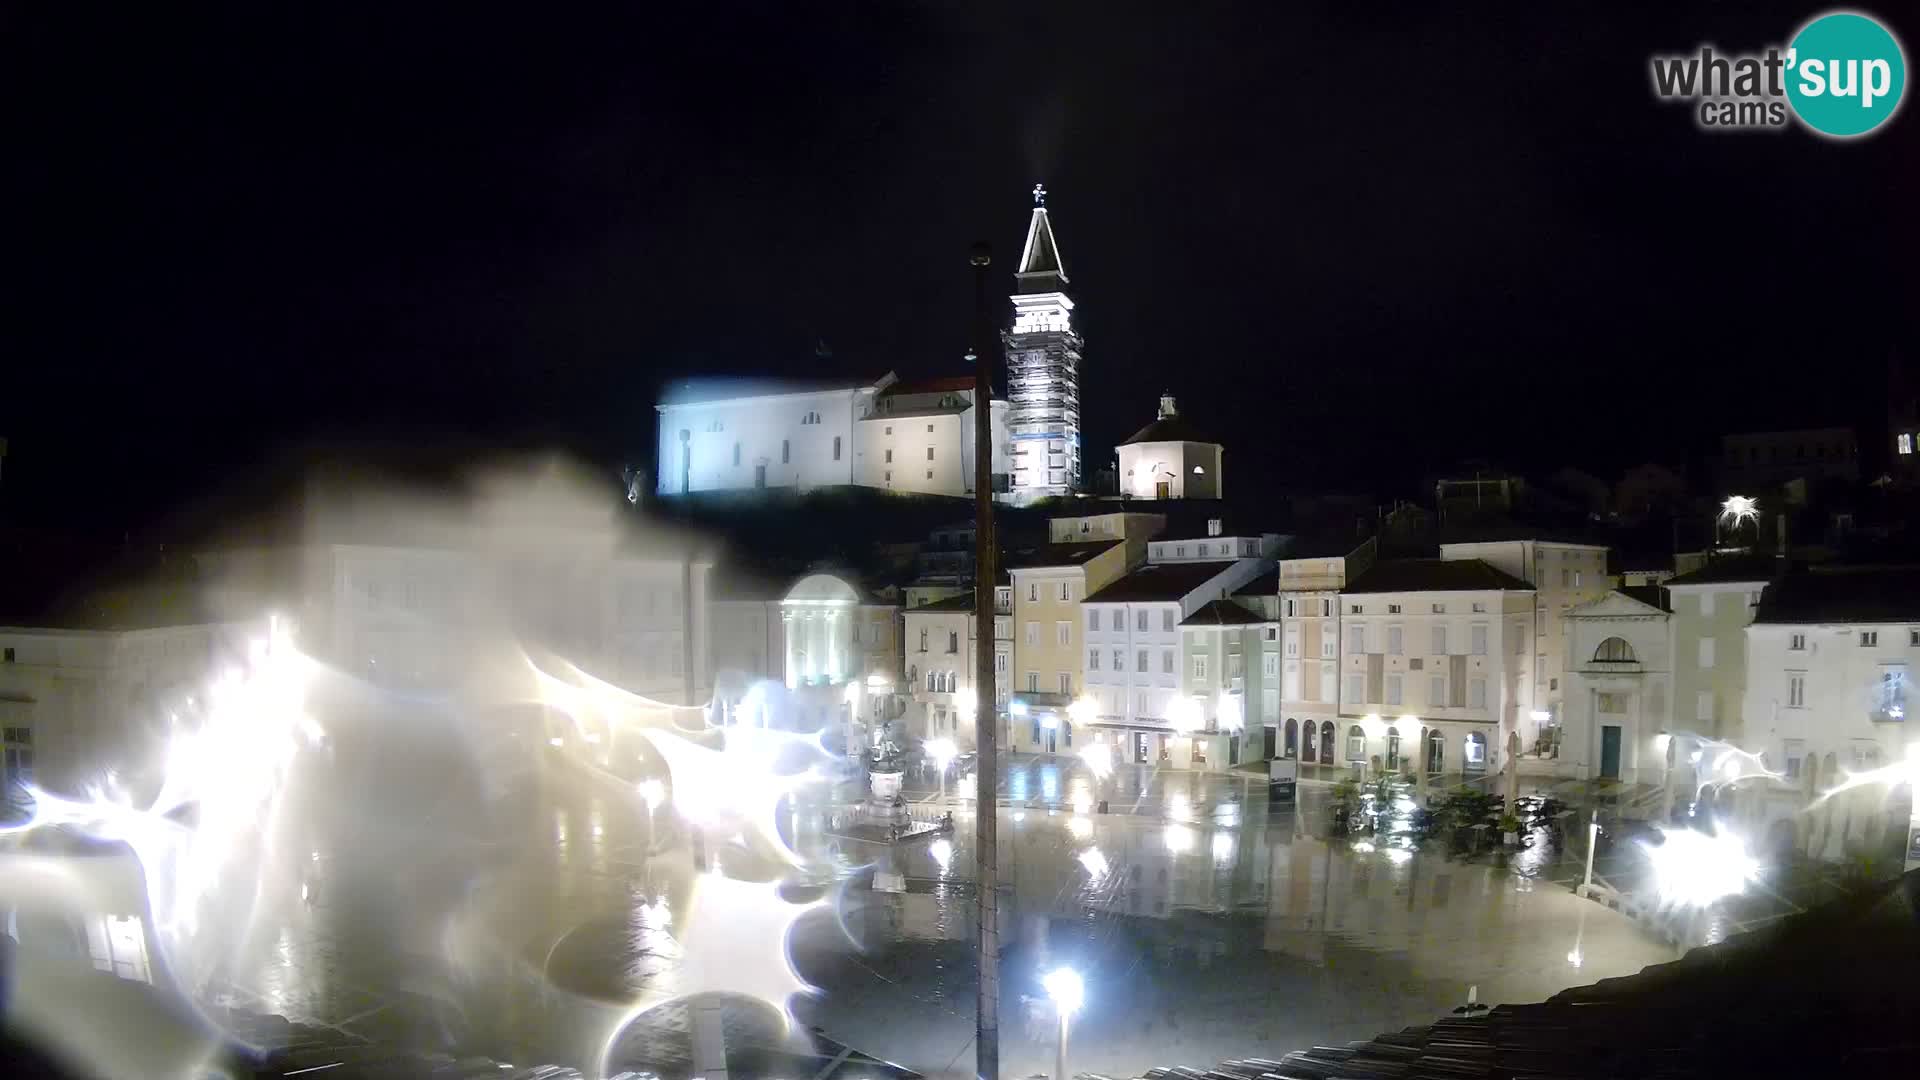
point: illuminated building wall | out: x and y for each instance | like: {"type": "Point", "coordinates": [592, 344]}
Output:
{"type": "Point", "coordinates": [1043, 369]}
{"type": "Point", "coordinates": [1169, 459]}
{"type": "Point", "coordinates": [1619, 674]}
{"type": "Point", "coordinates": [1563, 576]}
{"type": "Point", "coordinates": [889, 435]}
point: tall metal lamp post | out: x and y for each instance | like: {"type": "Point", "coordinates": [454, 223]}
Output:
{"type": "Point", "coordinates": [986, 818]}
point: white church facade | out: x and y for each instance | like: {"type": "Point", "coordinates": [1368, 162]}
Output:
{"type": "Point", "coordinates": [886, 434]}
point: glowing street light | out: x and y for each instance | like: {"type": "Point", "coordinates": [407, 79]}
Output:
{"type": "Point", "coordinates": [1099, 759]}
{"type": "Point", "coordinates": [1738, 509]}
{"type": "Point", "coordinates": [1068, 994]}
{"type": "Point", "coordinates": [1187, 714]}
{"type": "Point", "coordinates": [1693, 869]}
{"type": "Point", "coordinates": [1082, 711]}
{"type": "Point", "coordinates": [942, 751]}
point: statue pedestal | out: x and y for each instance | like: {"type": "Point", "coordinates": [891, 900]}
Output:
{"type": "Point", "coordinates": [883, 805]}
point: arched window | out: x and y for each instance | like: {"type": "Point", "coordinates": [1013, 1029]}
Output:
{"type": "Point", "coordinates": [953, 641]}
{"type": "Point", "coordinates": [1436, 751]}
{"type": "Point", "coordinates": [923, 639]}
{"type": "Point", "coordinates": [1309, 747]}
{"type": "Point", "coordinates": [1614, 650]}
{"type": "Point", "coordinates": [1293, 738]}
{"type": "Point", "coordinates": [1476, 753]}
{"type": "Point", "coordinates": [913, 675]}
{"type": "Point", "coordinates": [1356, 743]}
{"type": "Point", "coordinates": [1326, 742]}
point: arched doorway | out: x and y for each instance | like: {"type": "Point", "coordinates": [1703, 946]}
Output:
{"type": "Point", "coordinates": [1293, 738]}
{"type": "Point", "coordinates": [1356, 743]}
{"type": "Point", "coordinates": [1436, 751]}
{"type": "Point", "coordinates": [1309, 750]}
{"type": "Point", "coordinates": [1326, 742]}
{"type": "Point", "coordinates": [1475, 757]}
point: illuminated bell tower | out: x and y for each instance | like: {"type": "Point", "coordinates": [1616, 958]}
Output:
{"type": "Point", "coordinates": [1043, 369]}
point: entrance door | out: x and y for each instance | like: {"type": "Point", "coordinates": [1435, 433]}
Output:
{"type": "Point", "coordinates": [1326, 742]}
{"type": "Point", "coordinates": [1272, 736]}
{"type": "Point", "coordinates": [1161, 490]}
{"type": "Point", "coordinates": [759, 476]}
{"type": "Point", "coordinates": [1610, 752]}
{"type": "Point", "coordinates": [1140, 745]}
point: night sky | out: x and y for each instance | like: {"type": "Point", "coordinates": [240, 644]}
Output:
{"type": "Point", "coordinates": [1358, 245]}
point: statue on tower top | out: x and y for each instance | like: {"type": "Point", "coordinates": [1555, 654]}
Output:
{"type": "Point", "coordinates": [1039, 195]}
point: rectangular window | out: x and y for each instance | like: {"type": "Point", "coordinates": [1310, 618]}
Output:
{"type": "Point", "coordinates": [1166, 661]}
{"type": "Point", "coordinates": [929, 453]}
{"type": "Point", "coordinates": [1576, 579]}
{"type": "Point", "coordinates": [1063, 633]}
{"type": "Point", "coordinates": [1066, 590]}
{"type": "Point", "coordinates": [1706, 652]}
{"type": "Point", "coordinates": [1566, 577]}
{"type": "Point", "coordinates": [1356, 640]}
{"type": "Point", "coordinates": [1478, 638]}
{"type": "Point", "coordinates": [1000, 663]}
{"type": "Point", "coordinates": [1913, 639]}
{"type": "Point", "coordinates": [1269, 665]}
{"type": "Point", "coordinates": [1180, 551]}
{"type": "Point", "coordinates": [1140, 661]}
{"type": "Point", "coordinates": [1796, 754]}
{"type": "Point", "coordinates": [1393, 690]}
{"type": "Point", "coordinates": [1869, 639]}
{"type": "Point", "coordinates": [836, 448]}
{"type": "Point", "coordinates": [1477, 693]}
{"type": "Point", "coordinates": [1093, 620]}
{"type": "Point", "coordinates": [1200, 667]}
{"type": "Point", "coordinates": [1272, 633]}
{"type": "Point", "coordinates": [1289, 609]}
{"type": "Point", "coordinates": [1797, 642]}
{"type": "Point", "coordinates": [1119, 660]}
{"type": "Point", "coordinates": [1093, 659]}
{"type": "Point", "coordinates": [1893, 690]}
{"type": "Point", "coordinates": [1903, 442]}
{"type": "Point", "coordinates": [1033, 682]}
{"type": "Point", "coordinates": [1796, 689]}
{"type": "Point", "coordinates": [889, 458]}
{"type": "Point", "coordinates": [1328, 641]}
{"type": "Point", "coordinates": [1439, 641]}
{"type": "Point", "coordinates": [1356, 689]}
{"type": "Point", "coordinates": [1066, 683]}
{"type": "Point", "coordinates": [1703, 705]}
{"type": "Point", "coordinates": [1394, 641]}
{"type": "Point", "coordinates": [1166, 620]}
{"type": "Point", "coordinates": [1118, 620]}
{"type": "Point", "coordinates": [1293, 641]}
{"type": "Point", "coordinates": [1479, 608]}
{"type": "Point", "coordinates": [1140, 620]}
{"type": "Point", "coordinates": [1353, 609]}
{"type": "Point", "coordinates": [1033, 591]}
{"type": "Point", "coordinates": [1393, 609]}
{"type": "Point", "coordinates": [786, 452]}
{"type": "Point", "coordinates": [1437, 692]}
{"type": "Point", "coordinates": [1033, 633]}
{"type": "Point", "coordinates": [1326, 609]}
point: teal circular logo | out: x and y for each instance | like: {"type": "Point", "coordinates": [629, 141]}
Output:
{"type": "Point", "coordinates": [1845, 74]}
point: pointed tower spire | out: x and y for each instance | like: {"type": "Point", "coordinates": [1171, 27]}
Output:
{"type": "Point", "coordinates": [1040, 270]}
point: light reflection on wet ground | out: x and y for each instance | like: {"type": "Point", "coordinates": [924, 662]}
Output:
{"type": "Point", "coordinates": [1206, 927]}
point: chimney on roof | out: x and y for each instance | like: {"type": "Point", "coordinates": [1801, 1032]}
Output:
{"type": "Point", "coordinates": [1166, 406]}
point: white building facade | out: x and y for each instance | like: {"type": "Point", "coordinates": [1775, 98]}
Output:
{"type": "Point", "coordinates": [1137, 667]}
{"type": "Point", "coordinates": [1170, 459]}
{"type": "Point", "coordinates": [1618, 690]}
{"type": "Point", "coordinates": [1564, 575]}
{"type": "Point", "coordinates": [887, 435]}
{"type": "Point", "coordinates": [1434, 662]}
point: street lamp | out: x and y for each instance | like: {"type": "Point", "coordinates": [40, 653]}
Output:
{"type": "Point", "coordinates": [1068, 992]}
{"type": "Point", "coordinates": [942, 751]}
